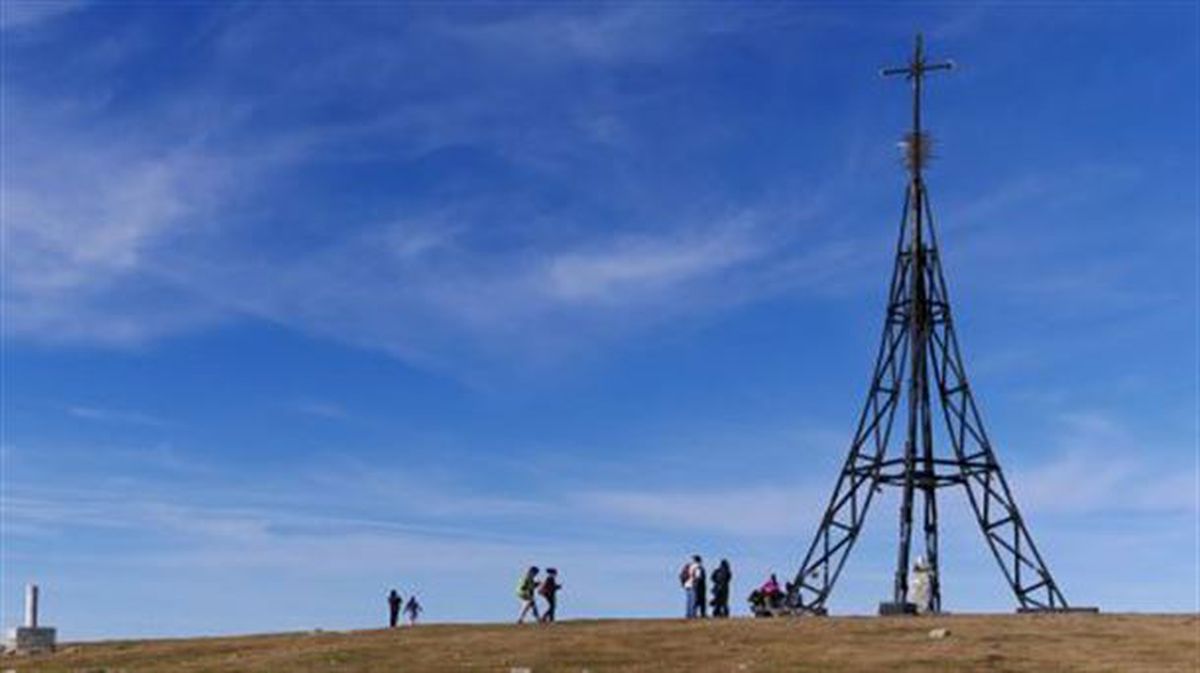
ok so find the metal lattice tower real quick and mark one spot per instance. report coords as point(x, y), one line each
point(919, 350)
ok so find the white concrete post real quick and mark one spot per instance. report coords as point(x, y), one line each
point(31, 605)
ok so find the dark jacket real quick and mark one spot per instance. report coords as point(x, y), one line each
point(721, 577)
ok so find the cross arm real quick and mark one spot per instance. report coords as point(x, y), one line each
point(910, 70)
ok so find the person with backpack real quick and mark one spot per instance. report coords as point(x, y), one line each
point(721, 578)
point(525, 588)
point(549, 590)
point(412, 609)
point(394, 601)
point(699, 587)
point(687, 580)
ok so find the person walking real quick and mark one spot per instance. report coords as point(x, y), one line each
point(394, 602)
point(549, 590)
point(525, 588)
point(412, 610)
point(721, 578)
point(700, 587)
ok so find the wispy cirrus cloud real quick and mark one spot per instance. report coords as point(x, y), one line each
point(226, 205)
point(637, 269)
point(119, 416)
point(1100, 465)
point(87, 218)
point(117, 238)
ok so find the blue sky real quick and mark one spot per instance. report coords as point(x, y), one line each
point(305, 301)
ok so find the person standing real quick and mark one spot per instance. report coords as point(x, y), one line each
point(412, 609)
point(525, 588)
point(394, 602)
point(700, 587)
point(549, 590)
point(687, 579)
point(721, 578)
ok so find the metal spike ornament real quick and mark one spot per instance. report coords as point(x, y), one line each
point(918, 150)
point(920, 351)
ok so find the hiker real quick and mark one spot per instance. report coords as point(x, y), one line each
point(412, 609)
point(687, 580)
point(721, 577)
point(394, 602)
point(549, 590)
point(700, 588)
point(525, 588)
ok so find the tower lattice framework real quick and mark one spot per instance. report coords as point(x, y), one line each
point(919, 352)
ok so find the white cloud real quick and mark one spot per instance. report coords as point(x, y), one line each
point(116, 416)
point(123, 226)
point(1098, 465)
point(640, 269)
point(1097, 482)
point(122, 240)
point(85, 221)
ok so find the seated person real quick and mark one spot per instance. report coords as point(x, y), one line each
point(772, 594)
point(758, 606)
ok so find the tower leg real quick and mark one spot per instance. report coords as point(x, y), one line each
point(987, 490)
point(931, 551)
point(900, 582)
point(859, 478)
point(929, 485)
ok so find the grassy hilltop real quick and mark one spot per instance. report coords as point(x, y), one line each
point(1117, 643)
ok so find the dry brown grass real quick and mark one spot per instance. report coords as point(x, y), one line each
point(1118, 643)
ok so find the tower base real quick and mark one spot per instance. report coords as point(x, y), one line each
point(1058, 610)
point(30, 640)
point(892, 608)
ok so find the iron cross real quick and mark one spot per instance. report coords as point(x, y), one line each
point(918, 144)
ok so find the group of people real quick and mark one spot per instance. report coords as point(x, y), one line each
point(767, 600)
point(412, 609)
point(694, 580)
point(529, 587)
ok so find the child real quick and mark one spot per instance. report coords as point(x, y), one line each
point(549, 591)
point(525, 589)
point(412, 609)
